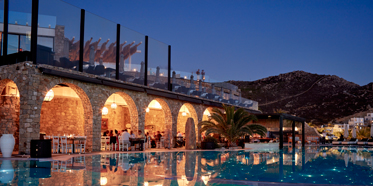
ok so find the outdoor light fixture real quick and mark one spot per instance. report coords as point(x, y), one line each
point(184, 110)
point(105, 111)
point(103, 181)
point(147, 109)
point(146, 183)
point(49, 96)
point(134, 69)
point(114, 105)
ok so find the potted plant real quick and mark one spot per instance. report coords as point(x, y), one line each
point(231, 124)
point(7, 140)
point(209, 143)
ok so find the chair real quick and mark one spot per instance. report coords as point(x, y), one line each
point(121, 144)
point(65, 147)
point(56, 144)
point(80, 146)
point(162, 142)
point(315, 139)
point(55, 166)
point(104, 143)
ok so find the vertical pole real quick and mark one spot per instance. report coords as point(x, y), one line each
point(5, 29)
point(34, 29)
point(293, 134)
point(169, 69)
point(281, 166)
point(146, 62)
point(303, 137)
point(293, 160)
point(281, 133)
point(117, 56)
point(81, 44)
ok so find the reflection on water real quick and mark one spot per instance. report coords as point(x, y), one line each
point(320, 165)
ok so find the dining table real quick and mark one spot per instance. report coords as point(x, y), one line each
point(139, 141)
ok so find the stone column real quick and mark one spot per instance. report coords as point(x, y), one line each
point(192, 85)
point(200, 85)
point(92, 56)
point(121, 63)
point(173, 80)
point(157, 75)
point(213, 89)
point(142, 70)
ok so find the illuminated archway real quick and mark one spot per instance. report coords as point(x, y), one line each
point(158, 118)
point(66, 110)
point(187, 111)
point(121, 113)
point(10, 109)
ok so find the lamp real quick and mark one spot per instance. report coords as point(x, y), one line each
point(49, 96)
point(114, 105)
point(103, 181)
point(105, 111)
point(147, 109)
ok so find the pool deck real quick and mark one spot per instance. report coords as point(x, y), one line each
point(64, 157)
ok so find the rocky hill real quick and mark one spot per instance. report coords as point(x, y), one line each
point(318, 98)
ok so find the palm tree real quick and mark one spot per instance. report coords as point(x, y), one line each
point(232, 124)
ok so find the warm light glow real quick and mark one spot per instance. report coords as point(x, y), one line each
point(296, 128)
point(147, 109)
point(134, 69)
point(155, 105)
point(161, 74)
point(185, 77)
point(105, 111)
point(103, 180)
point(184, 110)
point(146, 183)
point(114, 105)
point(205, 179)
point(207, 113)
point(49, 96)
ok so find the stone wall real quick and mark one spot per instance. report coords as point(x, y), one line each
point(156, 118)
point(9, 117)
point(34, 85)
point(61, 116)
point(117, 118)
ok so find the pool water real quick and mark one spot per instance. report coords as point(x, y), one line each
point(311, 165)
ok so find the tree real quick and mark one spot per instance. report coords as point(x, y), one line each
point(232, 124)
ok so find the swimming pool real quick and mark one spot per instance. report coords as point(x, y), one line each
point(312, 165)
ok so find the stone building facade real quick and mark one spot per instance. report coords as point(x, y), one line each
point(33, 112)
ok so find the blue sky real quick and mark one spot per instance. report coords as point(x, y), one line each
point(250, 40)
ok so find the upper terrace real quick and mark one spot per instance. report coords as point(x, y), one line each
point(69, 37)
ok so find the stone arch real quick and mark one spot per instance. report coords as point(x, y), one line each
point(205, 113)
point(87, 110)
point(10, 110)
point(167, 118)
point(132, 109)
point(181, 120)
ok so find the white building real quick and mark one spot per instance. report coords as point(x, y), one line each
point(369, 118)
point(339, 128)
point(358, 122)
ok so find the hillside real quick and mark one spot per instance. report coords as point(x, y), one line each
point(318, 98)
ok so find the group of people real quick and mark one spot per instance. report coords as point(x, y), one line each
point(124, 136)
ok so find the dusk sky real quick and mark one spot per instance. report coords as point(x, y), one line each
point(250, 40)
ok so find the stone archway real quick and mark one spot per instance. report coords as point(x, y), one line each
point(187, 111)
point(159, 120)
point(69, 112)
point(125, 113)
point(206, 113)
point(10, 109)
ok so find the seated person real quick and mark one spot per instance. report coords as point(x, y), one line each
point(132, 135)
point(126, 137)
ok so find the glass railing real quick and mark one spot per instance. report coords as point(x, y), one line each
point(1, 25)
point(20, 20)
point(58, 34)
point(131, 58)
point(58, 44)
point(157, 64)
point(99, 57)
